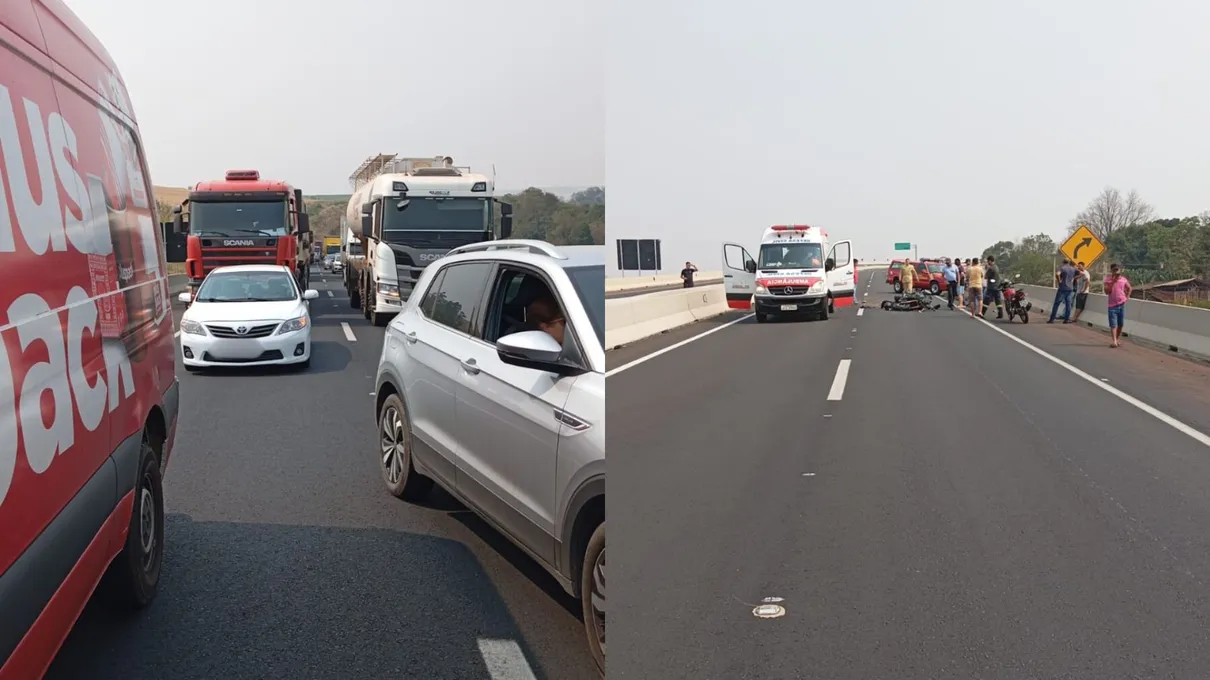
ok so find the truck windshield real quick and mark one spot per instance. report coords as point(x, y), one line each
point(238, 218)
point(434, 215)
point(790, 256)
point(331, 250)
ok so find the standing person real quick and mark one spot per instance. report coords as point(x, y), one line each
point(950, 271)
point(961, 281)
point(1117, 290)
point(907, 276)
point(1083, 284)
point(687, 274)
point(974, 278)
point(1064, 292)
point(991, 284)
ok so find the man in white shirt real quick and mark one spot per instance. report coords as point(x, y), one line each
point(1083, 283)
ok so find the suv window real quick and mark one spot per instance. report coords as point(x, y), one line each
point(589, 283)
point(430, 295)
point(512, 306)
point(458, 296)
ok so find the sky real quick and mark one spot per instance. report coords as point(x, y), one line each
point(305, 90)
point(951, 124)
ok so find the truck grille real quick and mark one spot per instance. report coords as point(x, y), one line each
point(259, 331)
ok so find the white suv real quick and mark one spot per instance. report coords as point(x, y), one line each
point(492, 383)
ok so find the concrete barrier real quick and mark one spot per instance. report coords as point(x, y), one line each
point(1174, 327)
point(658, 281)
point(631, 319)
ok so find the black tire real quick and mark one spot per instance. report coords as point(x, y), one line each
point(935, 288)
point(133, 578)
point(761, 317)
point(897, 286)
point(823, 311)
point(380, 320)
point(1024, 317)
point(398, 474)
point(305, 365)
point(592, 580)
point(354, 295)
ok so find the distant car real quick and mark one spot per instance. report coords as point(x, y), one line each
point(338, 265)
point(247, 315)
point(328, 260)
point(492, 383)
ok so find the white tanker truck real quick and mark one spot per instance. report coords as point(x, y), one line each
point(408, 212)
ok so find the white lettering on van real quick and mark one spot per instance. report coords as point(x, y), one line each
point(41, 223)
point(8, 418)
point(63, 141)
point(42, 442)
point(81, 317)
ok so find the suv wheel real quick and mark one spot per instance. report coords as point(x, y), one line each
point(395, 452)
point(592, 595)
point(935, 288)
point(133, 578)
point(897, 286)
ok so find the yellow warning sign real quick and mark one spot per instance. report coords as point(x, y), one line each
point(1083, 246)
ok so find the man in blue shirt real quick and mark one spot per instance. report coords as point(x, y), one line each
point(950, 271)
point(1064, 292)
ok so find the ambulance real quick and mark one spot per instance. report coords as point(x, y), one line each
point(797, 271)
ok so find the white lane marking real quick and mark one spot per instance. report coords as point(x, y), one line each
point(505, 660)
point(176, 334)
point(669, 348)
point(344, 326)
point(861, 311)
point(331, 294)
point(838, 383)
point(808, 474)
point(1141, 405)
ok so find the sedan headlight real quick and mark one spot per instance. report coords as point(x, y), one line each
point(191, 327)
point(388, 289)
point(294, 325)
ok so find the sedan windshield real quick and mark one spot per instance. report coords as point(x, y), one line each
point(248, 286)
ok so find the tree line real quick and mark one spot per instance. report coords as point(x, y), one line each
point(1150, 249)
point(537, 214)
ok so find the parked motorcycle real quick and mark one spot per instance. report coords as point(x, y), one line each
point(1015, 303)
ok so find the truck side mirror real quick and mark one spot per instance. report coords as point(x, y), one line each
point(178, 222)
point(829, 264)
point(304, 223)
point(506, 209)
point(506, 226)
point(367, 209)
point(367, 224)
point(750, 266)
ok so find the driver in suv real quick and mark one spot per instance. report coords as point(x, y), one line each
point(491, 383)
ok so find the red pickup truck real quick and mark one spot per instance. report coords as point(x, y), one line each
point(927, 275)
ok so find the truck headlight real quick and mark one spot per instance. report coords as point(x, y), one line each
point(389, 290)
point(294, 325)
point(818, 287)
point(191, 327)
point(761, 290)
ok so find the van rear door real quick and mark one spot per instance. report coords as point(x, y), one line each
point(739, 276)
point(842, 280)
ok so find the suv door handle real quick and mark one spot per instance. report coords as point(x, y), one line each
point(410, 337)
point(470, 366)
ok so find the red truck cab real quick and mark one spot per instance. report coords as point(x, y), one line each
point(243, 219)
point(88, 390)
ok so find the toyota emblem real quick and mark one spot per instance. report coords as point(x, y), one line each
point(242, 330)
point(789, 290)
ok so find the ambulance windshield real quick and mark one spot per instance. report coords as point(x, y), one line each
point(791, 256)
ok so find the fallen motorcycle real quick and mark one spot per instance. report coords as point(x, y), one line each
point(918, 301)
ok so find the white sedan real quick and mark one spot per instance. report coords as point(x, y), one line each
point(247, 315)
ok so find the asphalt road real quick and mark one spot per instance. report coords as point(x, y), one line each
point(961, 508)
point(287, 558)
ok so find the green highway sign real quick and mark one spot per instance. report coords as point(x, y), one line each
point(903, 246)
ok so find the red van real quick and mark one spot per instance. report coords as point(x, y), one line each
point(88, 388)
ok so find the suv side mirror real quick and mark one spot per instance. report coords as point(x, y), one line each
point(829, 264)
point(750, 266)
point(533, 349)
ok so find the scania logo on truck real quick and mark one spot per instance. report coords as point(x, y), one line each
point(238, 242)
point(429, 257)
